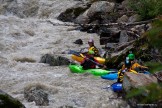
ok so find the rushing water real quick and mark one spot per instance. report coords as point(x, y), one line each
point(34, 37)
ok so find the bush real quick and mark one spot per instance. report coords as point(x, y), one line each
point(147, 94)
point(147, 9)
point(155, 34)
point(154, 66)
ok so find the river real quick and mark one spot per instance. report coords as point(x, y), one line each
point(33, 37)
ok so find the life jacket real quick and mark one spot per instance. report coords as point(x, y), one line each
point(121, 74)
point(96, 51)
point(125, 68)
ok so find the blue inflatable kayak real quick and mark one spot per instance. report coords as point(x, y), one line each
point(116, 87)
point(110, 76)
point(114, 76)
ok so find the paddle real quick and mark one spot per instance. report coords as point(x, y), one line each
point(81, 55)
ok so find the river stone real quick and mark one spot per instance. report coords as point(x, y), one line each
point(132, 80)
point(54, 60)
point(6, 101)
point(79, 42)
point(36, 94)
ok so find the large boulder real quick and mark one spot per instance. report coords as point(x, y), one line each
point(72, 13)
point(95, 12)
point(132, 80)
point(54, 60)
point(6, 101)
point(101, 7)
point(36, 94)
point(83, 18)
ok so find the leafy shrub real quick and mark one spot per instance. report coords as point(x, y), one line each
point(147, 9)
point(146, 94)
point(154, 66)
point(155, 34)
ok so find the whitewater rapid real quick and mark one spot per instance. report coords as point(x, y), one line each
point(34, 37)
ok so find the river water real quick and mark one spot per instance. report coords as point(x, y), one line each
point(32, 38)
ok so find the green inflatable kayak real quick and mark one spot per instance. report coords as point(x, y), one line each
point(79, 69)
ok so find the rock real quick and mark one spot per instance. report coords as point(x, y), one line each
point(123, 36)
point(79, 41)
point(95, 12)
point(137, 80)
point(111, 46)
point(72, 13)
point(109, 35)
point(125, 5)
point(36, 94)
point(158, 75)
point(122, 19)
point(82, 19)
point(133, 18)
point(54, 60)
point(100, 7)
point(6, 101)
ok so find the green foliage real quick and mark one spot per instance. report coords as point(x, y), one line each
point(154, 66)
point(148, 94)
point(155, 34)
point(147, 9)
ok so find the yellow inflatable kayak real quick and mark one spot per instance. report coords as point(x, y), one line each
point(80, 59)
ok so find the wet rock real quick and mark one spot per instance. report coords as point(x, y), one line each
point(6, 101)
point(79, 41)
point(132, 80)
point(72, 13)
point(36, 94)
point(54, 60)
